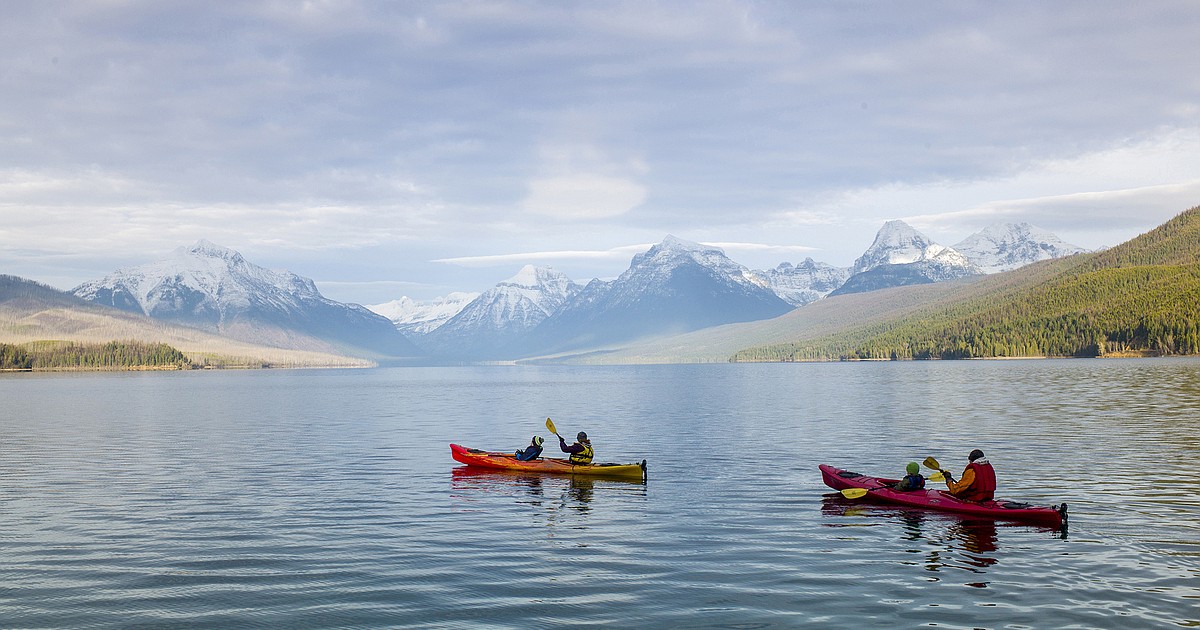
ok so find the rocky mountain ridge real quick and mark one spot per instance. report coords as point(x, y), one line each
point(214, 288)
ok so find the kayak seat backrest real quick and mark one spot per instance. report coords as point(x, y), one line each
point(1016, 505)
point(848, 474)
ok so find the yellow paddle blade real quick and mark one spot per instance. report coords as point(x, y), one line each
point(854, 493)
point(937, 476)
point(550, 425)
point(932, 463)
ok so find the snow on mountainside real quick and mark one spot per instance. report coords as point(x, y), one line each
point(897, 243)
point(1007, 246)
point(804, 283)
point(496, 317)
point(413, 317)
point(675, 286)
point(205, 281)
point(654, 266)
point(211, 287)
point(901, 256)
point(519, 303)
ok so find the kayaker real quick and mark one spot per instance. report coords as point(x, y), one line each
point(978, 482)
point(581, 451)
point(533, 451)
point(913, 480)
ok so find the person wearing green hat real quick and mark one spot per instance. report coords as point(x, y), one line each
point(913, 480)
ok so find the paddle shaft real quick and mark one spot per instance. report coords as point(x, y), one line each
point(855, 493)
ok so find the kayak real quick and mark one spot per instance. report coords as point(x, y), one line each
point(880, 489)
point(508, 461)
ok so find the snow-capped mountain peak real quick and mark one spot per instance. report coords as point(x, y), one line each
point(215, 288)
point(537, 279)
point(208, 249)
point(412, 316)
point(220, 275)
point(506, 311)
point(1006, 246)
point(672, 252)
point(898, 243)
point(804, 283)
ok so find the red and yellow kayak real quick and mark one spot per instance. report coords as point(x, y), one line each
point(509, 461)
point(880, 489)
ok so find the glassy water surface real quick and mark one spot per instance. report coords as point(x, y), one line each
point(327, 498)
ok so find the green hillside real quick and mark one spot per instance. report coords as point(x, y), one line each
point(1139, 298)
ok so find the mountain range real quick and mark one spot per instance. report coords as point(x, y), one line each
point(679, 286)
point(675, 287)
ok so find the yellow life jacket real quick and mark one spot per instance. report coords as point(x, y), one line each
point(583, 457)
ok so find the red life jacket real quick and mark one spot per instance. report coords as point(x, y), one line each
point(984, 486)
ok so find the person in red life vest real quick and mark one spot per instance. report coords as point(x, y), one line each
point(581, 451)
point(978, 481)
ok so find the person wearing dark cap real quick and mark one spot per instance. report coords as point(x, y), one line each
point(978, 481)
point(581, 451)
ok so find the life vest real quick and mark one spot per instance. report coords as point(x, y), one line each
point(583, 457)
point(984, 486)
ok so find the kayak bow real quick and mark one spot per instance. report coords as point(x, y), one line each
point(509, 461)
point(879, 489)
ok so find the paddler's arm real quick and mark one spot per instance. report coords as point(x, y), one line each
point(968, 478)
point(574, 448)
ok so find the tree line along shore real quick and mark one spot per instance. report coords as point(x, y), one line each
point(125, 355)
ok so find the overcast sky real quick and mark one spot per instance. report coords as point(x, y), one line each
point(417, 148)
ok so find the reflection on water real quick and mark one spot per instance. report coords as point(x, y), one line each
point(555, 492)
point(947, 541)
point(328, 499)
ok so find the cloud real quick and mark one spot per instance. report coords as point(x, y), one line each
point(617, 253)
point(583, 197)
point(432, 130)
point(1095, 197)
point(732, 249)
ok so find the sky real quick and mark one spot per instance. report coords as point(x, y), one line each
point(389, 149)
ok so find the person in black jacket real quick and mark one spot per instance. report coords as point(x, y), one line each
point(533, 451)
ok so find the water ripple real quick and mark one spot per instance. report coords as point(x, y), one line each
point(328, 498)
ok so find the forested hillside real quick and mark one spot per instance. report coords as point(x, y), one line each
point(1141, 297)
point(114, 355)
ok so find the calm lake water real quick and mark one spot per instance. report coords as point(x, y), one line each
point(328, 498)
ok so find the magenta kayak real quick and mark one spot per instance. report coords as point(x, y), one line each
point(880, 489)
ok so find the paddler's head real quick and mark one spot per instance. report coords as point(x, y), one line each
point(975, 454)
point(537, 439)
point(582, 437)
point(912, 468)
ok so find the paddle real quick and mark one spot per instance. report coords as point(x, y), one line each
point(550, 425)
point(933, 463)
point(858, 493)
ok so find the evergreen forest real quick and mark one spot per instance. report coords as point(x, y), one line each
point(114, 355)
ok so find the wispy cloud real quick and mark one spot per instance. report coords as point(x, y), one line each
point(617, 253)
